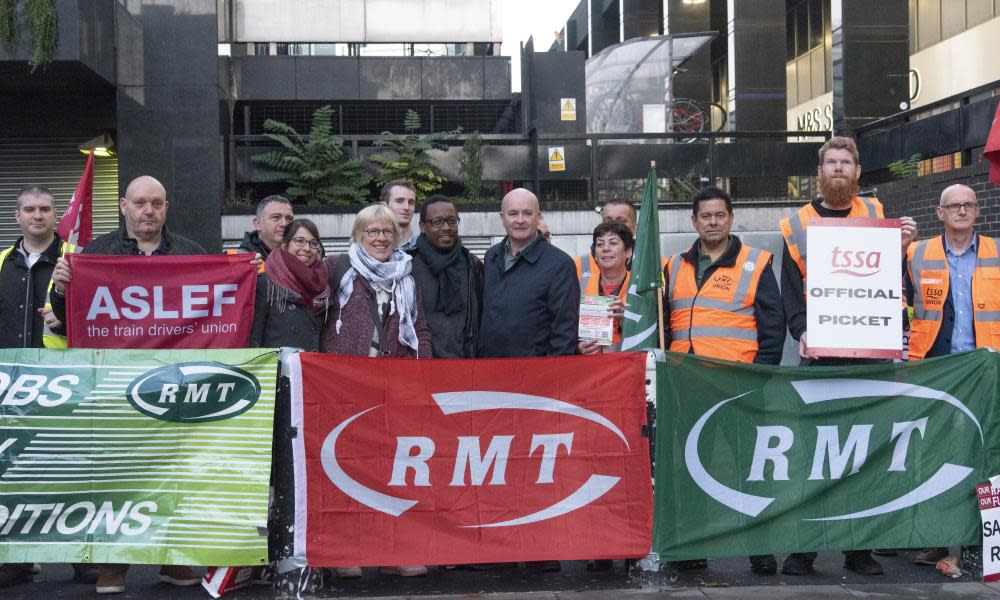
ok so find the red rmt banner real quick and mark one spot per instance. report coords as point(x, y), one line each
point(470, 461)
point(158, 302)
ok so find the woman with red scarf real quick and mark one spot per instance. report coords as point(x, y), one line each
point(293, 292)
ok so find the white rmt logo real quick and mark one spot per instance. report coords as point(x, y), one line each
point(470, 460)
point(828, 451)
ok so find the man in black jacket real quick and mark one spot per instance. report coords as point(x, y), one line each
point(143, 234)
point(531, 295)
point(274, 213)
point(450, 279)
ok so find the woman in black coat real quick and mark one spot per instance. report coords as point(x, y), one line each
point(293, 293)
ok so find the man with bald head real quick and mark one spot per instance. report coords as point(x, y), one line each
point(531, 294)
point(144, 233)
point(951, 283)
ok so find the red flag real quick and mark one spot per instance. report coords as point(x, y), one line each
point(77, 225)
point(992, 150)
point(406, 462)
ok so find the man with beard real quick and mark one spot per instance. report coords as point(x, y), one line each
point(838, 173)
point(450, 279)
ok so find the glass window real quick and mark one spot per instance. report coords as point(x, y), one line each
point(791, 85)
point(913, 26)
point(952, 18)
point(818, 67)
point(977, 11)
point(790, 35)
point(801, 29)
point(803, 74)
point(928, 22)
point(815, 23)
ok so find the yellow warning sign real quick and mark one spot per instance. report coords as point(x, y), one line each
point(567, 109)
point(557, 160)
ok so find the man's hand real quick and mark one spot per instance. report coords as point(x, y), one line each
point(803, 346)
point(49, 318)
point(257, 260)
point(908, 231)
point(61, 276)
point(588, 347)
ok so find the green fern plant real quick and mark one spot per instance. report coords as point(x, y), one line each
point(316, 168)
point(471, 167)
point(410, 159)
point(905, 167)
point(8, 25)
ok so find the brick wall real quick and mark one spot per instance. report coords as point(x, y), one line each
point(918, 196)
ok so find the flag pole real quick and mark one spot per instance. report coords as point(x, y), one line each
point(659, 295)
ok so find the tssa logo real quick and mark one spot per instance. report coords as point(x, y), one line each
point(831, 459)
point(414, 455)
point(857, 263)
point(194, 392)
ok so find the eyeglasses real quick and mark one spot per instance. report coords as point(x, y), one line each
point(374, 233)
point(954, 208)
point(302, 242)
point(441, 222)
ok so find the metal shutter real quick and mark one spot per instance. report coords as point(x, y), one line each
point(57, 164)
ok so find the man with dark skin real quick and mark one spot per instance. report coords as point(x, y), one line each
point(450, 278)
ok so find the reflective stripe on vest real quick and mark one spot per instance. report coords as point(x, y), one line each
point(585, 265)
point(793, 228)
point(718, 320)
point(49, 339)
point(928, 267)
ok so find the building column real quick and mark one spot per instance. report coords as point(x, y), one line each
point(871, 61)
point(168, 110)
point(687, 17)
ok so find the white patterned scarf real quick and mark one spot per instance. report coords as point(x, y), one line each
point(392, 276)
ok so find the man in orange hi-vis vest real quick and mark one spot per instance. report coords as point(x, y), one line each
point(951, 283)
point(838, 172)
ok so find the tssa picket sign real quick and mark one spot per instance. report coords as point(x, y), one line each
point(989, 509)
point(442, 462)
point(854, 288)
point(160, 301)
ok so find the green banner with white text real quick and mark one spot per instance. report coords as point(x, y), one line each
point(135, 456)
point(754, 459)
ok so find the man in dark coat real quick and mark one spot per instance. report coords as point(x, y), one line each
point(450, 278)
point(144, 234)
point(531, 295)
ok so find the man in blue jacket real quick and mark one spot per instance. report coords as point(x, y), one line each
point(531, 293)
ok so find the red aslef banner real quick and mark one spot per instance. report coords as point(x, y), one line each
point(469, 461)
point(158, 302)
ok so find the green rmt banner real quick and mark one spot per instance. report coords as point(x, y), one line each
point(756, 459)
point(139, 456)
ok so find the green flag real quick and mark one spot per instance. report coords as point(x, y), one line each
point(754, 459)
point(639, 331)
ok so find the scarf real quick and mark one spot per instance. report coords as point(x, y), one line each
point(392, 276)
point(290, 280)
point(443, 265)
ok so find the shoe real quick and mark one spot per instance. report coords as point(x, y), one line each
point(347, 572)
point(689, 565)
point(485, 566)
point(179, 575)
point(15, 574)
point(84, 573)
point(885, 552)
point(600, 565)
point(415, 571)
point(36, 568)
point(763, 564)
point(111, 580)
point(262, 575)
point(861, 562)
point(796, 564)
point(930, 556)
point(545, 566)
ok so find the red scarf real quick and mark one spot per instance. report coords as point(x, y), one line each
point(308, 286)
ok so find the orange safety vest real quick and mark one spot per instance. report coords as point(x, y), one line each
point(928, 267)
point(260, 267)
point(586, 264)
point(793, 228)
point(718, 320)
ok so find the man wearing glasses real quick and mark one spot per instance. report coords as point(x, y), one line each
point(450, 278)
point(951, 284)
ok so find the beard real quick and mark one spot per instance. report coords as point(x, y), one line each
point(836, 191)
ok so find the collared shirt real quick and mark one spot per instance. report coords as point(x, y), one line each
point(510, 259)
point(30, 258)
point(705, 261)
point(961, 268)
point(409, 245)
